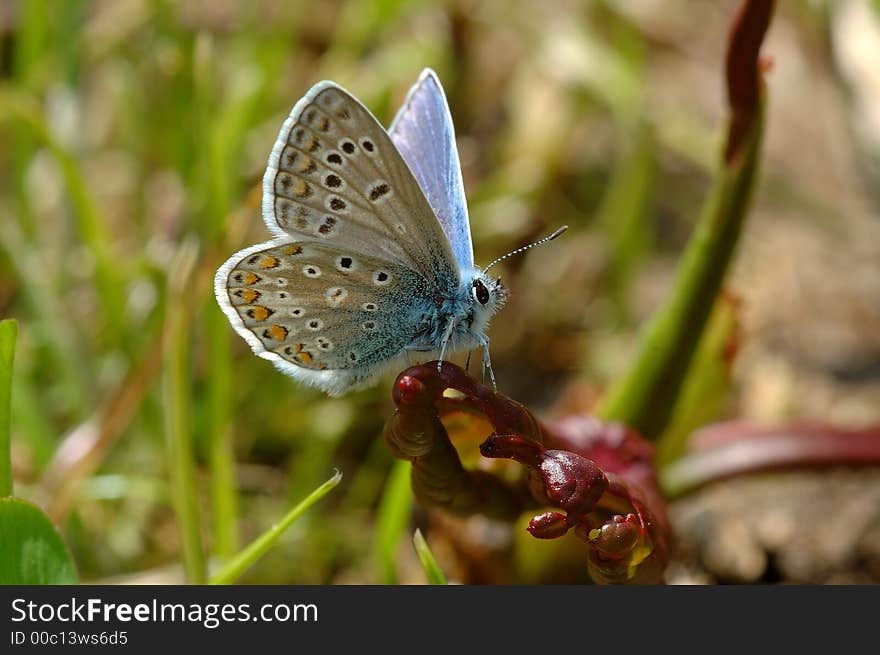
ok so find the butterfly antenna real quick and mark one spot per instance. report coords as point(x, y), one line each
point(539, 242)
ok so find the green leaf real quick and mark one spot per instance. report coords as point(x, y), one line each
point(394, 511)
point(432, 570)
point(261, 545)
point(32, 551)
point(707, 384)
point(8, 333)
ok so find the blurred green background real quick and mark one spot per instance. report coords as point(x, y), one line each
point(134, 135)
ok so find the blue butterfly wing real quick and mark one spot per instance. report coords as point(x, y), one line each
point(424, 135)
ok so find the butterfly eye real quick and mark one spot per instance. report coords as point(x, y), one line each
point(480, 292)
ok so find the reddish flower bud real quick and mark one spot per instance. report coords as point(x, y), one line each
point(408, 390)
point(618, 537)
point(548, 525)
point(572, 482)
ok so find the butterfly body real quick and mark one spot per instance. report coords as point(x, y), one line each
point(371, 264)
point(456, 316)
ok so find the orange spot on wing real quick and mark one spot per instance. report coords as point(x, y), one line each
point(268, 262)
point(305, 357)
point(293, 250)
point(248, 295)
point(277, 332)
point(245, 277)
point(259, 313)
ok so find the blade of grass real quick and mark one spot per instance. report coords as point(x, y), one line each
point(432, 570)
point(393, 516)
point(33, 422)
point(176, 392)
point(234, 569)
point(8, 334)
point(224, 488)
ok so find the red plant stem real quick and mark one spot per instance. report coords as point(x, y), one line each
point(744, 70)
point(415, 433)
point(735, 449)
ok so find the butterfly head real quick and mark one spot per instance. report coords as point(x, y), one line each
point(487, 296)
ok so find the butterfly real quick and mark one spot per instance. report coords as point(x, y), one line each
point(371, 261)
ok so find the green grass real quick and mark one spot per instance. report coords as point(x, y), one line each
point(8, 334)
point(176, 394)
point(433, 572)
point(392, 520)
point(238, 564)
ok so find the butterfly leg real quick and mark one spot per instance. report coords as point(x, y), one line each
point(467, 364)
point(447, 335)
point(487, 361)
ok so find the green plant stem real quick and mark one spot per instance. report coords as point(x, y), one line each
point(8, 334)
point(224, 489)
point(393, 516)
point(234, 569)
point(176, 392)
point(705, 390)
point(645, 397)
